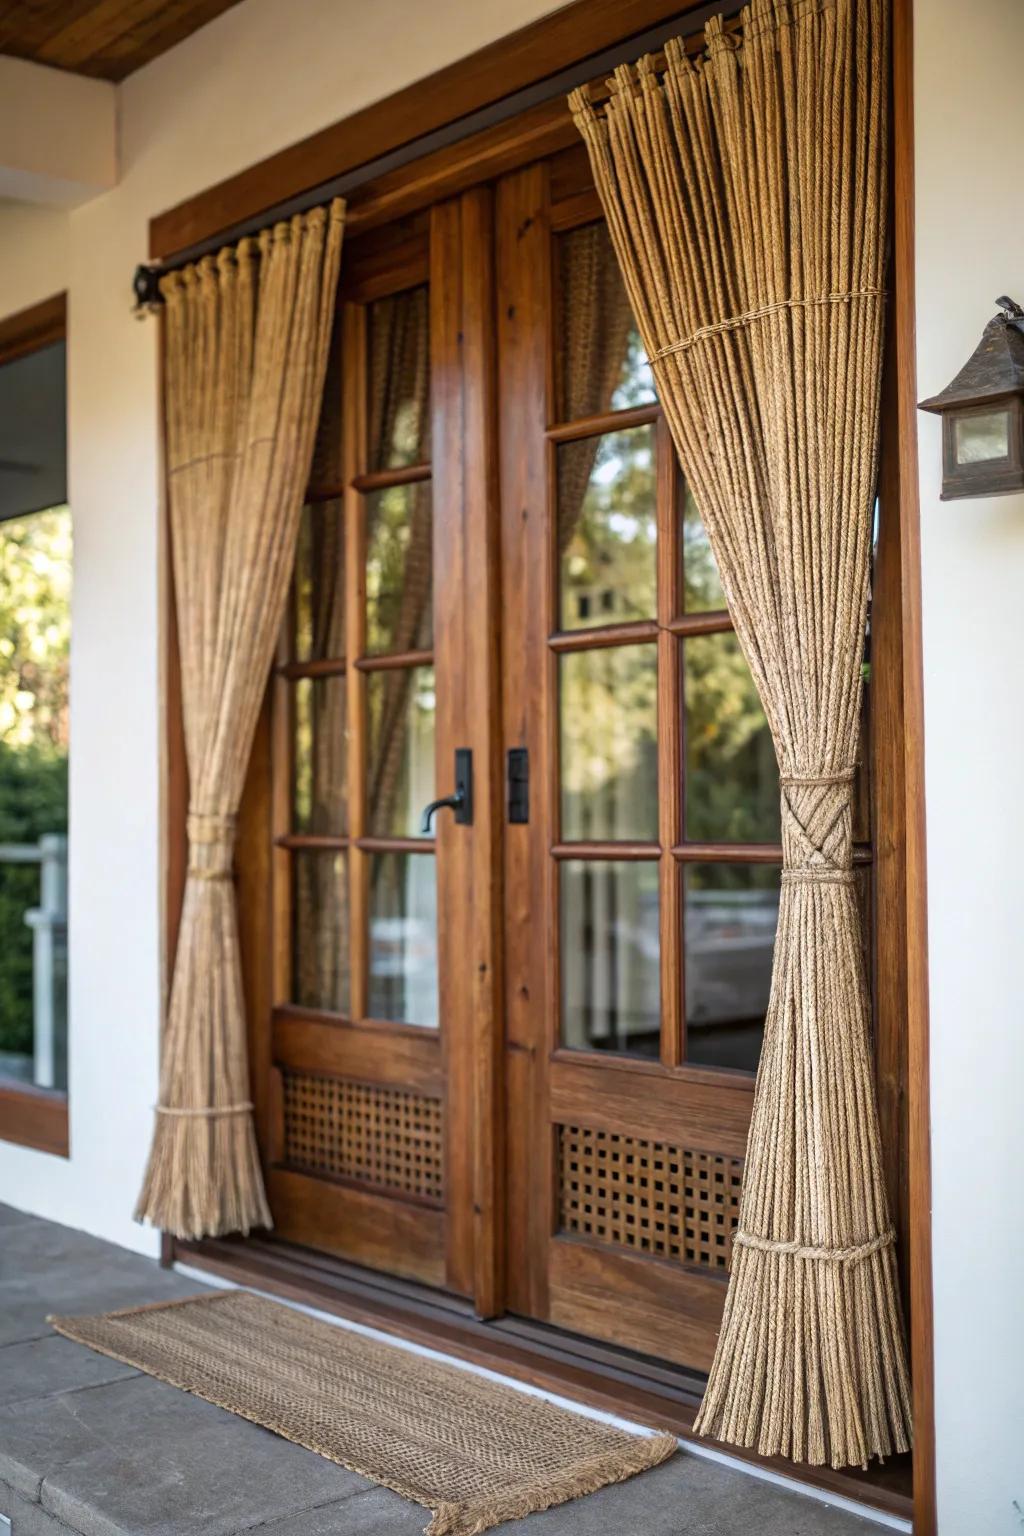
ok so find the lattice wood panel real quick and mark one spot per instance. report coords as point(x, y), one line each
point(388, 1137)
point(669, 1201)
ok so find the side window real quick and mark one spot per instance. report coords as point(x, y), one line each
point(35, 629)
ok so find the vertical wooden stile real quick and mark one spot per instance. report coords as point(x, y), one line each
point(670, 778)
point(524, 306)
point(354, 449)
point(466, 652)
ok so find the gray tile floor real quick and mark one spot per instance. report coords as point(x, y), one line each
point(94, 1447)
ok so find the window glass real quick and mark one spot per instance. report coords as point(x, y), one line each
point(602, 365)
point(399, 382)
point(318, 716)
point(611, 998)
point(401, 707)
point(399, 568)
point(730, 913)
point(33, 432)
point(35, 629)
point(403, 939)
point(319, 590)
point(702, 586)
point(980, 438)
point(607, 529)
point(732, 777)
point(326, 469)
point(320, 974)
point(608, 702)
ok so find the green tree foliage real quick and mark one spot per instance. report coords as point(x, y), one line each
point(732, 784)
point(608, 698)
point(35, 583)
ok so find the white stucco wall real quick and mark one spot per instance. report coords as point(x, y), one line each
point(262, 76)
point(969, 109)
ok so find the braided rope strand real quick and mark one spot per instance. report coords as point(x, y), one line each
point(737, 322)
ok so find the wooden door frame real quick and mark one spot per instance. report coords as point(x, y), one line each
point(903, 367)
point(466, 646)
point(434, 107)
point(30, 1116)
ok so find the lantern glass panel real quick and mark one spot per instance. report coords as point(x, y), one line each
point(979, 439)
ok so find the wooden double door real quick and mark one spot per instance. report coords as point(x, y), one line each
point(510, 1056)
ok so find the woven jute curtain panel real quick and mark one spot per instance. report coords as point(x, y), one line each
point(745, 194)
point(246, 340)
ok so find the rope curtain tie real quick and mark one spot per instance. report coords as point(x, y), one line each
point(211, 845)
point(817, 875)
point(206, 1112)
point(817, 827)
point(797, 1250)
point(815, 780)
point(736, 322)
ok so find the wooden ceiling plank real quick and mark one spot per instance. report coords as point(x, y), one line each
point(105, 39)
point(88, 37)
point(162, 30)
point(24, 28)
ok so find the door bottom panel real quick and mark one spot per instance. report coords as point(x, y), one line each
point(376, 1230)
point(672, 1314)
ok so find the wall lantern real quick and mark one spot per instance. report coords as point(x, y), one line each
point(982, 413)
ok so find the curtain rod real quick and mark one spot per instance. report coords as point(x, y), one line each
point(146, 279)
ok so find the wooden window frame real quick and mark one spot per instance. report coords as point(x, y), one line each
point(434, 111)
point(30, 1116)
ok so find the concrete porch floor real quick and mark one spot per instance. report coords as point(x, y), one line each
point(94, 1447)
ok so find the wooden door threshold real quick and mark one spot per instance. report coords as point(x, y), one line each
point(599, 1375)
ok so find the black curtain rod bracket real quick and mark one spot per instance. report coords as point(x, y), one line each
point(146, 288)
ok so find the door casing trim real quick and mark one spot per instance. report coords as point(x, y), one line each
point(531, 55)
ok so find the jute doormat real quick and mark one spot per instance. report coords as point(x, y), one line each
point(473, 1451)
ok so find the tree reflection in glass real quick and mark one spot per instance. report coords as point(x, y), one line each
point(702, 586)
point(401, 706)
point(399, 569)
point(607, 531)
point(732, 778)
point(35, 630)
point(319, 797)
point(608, 707)
point(318, 590)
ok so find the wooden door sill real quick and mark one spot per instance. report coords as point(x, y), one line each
point(598, 1375)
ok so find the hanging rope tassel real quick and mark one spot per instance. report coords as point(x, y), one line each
point(204, 1171)
point(810, 1361)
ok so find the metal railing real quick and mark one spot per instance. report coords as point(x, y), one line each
point(49, 924)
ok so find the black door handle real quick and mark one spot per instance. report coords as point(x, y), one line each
point(456, 802)
point(461, 801)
